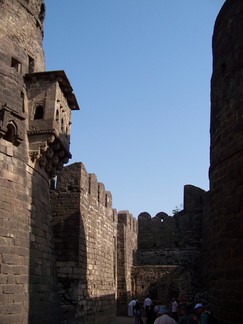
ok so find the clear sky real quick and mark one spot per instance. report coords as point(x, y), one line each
point(140, 70)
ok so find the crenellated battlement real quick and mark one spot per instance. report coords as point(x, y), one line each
point(126, 218)
point(76, 178)
point(182, 231)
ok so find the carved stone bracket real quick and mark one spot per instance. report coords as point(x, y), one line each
point(50, 149)
point(11, 122)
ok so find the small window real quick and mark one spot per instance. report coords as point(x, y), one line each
point(53, 183)
point(16, 65)
point(22, 101)
point(62, 126)
point(39, 112)
point(31, 65)
point(57, 115)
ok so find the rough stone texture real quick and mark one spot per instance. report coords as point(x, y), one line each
point(225, 244)
point(20, 41)
point(15, 205)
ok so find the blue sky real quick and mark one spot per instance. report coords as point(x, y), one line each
point(140, 70)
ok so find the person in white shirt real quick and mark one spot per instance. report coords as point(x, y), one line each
point(131, 307)
point(164, 317)
point(174, 307)
point(147, 304)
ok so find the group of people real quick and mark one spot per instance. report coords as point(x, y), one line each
point(177, 313)
point(197, 315)
point(149, 310)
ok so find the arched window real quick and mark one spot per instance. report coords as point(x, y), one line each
point(10, 135)
point(39, 112)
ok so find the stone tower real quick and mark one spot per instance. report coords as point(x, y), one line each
point(35, 120)
point(226, 165)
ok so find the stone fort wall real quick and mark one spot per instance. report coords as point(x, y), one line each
point(93, 246)
point(104, 258)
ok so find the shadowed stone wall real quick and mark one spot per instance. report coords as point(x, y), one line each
point(126, 257)
point(225, 239)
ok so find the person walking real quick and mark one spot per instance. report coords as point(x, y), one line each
point(174, 306)
point(131, 307)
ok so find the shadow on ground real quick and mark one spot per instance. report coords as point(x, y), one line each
point(124, 320)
